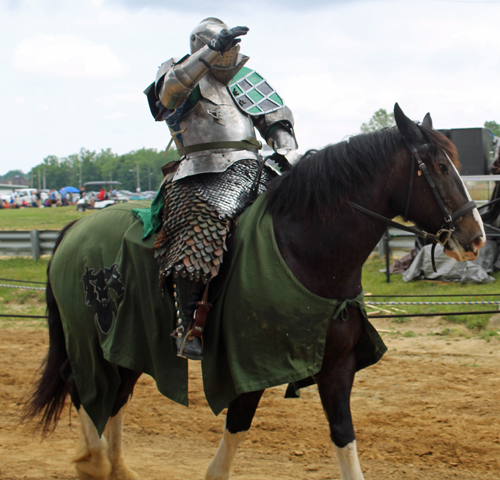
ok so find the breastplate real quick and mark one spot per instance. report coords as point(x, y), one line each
point(215, 118)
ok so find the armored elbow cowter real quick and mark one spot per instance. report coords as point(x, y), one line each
point(176, 80)
point(277, 129)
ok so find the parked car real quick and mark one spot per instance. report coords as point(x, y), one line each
point(27, 194)
point(90, 200)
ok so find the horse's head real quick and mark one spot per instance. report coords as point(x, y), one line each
point(438, 200)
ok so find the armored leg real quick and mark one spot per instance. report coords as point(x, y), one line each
point(188, 295)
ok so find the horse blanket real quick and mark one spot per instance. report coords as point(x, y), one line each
point(265, 328)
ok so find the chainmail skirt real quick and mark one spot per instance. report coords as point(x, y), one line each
point(197, 217)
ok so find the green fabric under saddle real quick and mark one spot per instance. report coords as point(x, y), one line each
point(265, 329)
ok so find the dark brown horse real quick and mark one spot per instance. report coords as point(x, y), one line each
point(324, 237)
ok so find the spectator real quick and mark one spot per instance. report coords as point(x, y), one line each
point(64, 198)
point(82, 192)
point(102, 194)
point(52, 198)
point(38, 197)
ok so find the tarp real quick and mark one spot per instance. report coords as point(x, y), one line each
point(449, 270)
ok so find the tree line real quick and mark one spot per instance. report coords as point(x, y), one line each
point(142, 165)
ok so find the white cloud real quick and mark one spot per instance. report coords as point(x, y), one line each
point(67, 56)
point(114, 116)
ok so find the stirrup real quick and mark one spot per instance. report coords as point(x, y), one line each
point(191, 349)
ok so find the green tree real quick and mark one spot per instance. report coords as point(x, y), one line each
point(149, 162)
point(380, 119)
point(105, 165)
point(493, 126)
point(11, 174)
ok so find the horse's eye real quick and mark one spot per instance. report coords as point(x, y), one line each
point(443, 169)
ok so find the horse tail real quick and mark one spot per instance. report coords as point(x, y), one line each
point(49, 396)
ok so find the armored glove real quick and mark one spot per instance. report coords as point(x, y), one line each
point(227, 39)
point(281, 161)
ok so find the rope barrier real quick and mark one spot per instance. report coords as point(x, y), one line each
point(20, 281)
point(373, 304)
point(21, 287)
point(433, 303)
point(369, 295)
point(443, 314)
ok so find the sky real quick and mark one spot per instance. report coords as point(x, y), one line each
point(74, 72)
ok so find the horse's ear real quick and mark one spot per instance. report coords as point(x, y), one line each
point(410, 131)
point(427, 121)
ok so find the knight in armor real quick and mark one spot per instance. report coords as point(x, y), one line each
point(212, 105)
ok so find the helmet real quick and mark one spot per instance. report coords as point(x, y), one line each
point(205, 32)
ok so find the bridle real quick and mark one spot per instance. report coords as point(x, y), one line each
point(448, 227)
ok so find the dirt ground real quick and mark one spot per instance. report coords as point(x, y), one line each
point(429, 410)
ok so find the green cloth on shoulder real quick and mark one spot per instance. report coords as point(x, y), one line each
point(267, 329)
point(150, 217)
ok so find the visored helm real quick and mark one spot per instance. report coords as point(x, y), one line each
point(205, 32)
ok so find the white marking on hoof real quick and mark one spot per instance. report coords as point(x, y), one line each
point(91, 460)
point(114, 434)
point(220, 466)
point(349, 466)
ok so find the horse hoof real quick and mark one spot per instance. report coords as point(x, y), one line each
point(93, 465)
point(124, 473)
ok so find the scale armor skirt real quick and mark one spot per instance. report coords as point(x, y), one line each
point(197, 217)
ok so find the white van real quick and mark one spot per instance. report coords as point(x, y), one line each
point(28, 194)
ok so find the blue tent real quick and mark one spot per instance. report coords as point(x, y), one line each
point(69, 190)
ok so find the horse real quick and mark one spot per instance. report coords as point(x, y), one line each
point(327, 215)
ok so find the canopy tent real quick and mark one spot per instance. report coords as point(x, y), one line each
point(69, 190)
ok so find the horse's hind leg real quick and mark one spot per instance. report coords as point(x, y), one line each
point(238, 421)
point(114, 428)
point(91, 460)
point(113, 433)
point(102, 458)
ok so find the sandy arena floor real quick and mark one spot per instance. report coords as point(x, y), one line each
point(429, 410)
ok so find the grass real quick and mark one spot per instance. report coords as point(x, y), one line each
point(20, 301)
point(375, 282)
point(479, 190)
point(39, 218)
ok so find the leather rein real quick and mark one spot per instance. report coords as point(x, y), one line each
point(444, 234)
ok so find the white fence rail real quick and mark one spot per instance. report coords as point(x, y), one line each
point(28, 243)
point(33, 243)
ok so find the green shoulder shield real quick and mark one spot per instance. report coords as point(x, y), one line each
point(253, 94)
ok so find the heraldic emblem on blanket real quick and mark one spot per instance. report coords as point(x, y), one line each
point(97, 294)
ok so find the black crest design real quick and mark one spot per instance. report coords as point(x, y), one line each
point(97, 294)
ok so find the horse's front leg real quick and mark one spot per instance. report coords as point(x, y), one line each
point(239, 418)
point(334, 385)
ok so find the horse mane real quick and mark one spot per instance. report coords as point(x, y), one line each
point(325, 179)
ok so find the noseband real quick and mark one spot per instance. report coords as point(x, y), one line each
point(448, 227)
